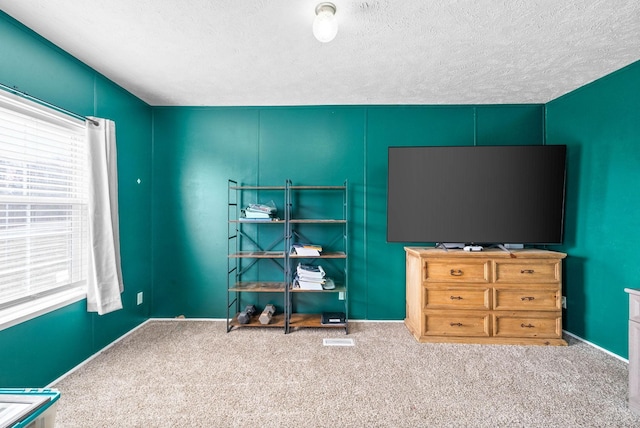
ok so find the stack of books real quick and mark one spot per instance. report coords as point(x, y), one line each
point(309, 277)
point(260, 212)
point(307, 250)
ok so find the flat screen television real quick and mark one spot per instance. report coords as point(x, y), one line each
point(476, 194)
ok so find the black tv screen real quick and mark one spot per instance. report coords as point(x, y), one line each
point(476, 194)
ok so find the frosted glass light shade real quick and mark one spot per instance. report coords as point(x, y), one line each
point(325, 26)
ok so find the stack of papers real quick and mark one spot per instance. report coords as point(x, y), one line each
point(260, 212)
point(309, 277)
point(307, 271)
point(309, 250)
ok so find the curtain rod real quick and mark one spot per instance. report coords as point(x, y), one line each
point(46, 104)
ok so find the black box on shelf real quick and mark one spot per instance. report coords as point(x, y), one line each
point(333, 318)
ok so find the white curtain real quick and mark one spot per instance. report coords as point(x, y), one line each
point(104, 279)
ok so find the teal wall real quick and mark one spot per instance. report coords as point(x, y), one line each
point(196, 150)
point(36, 352)
point(174, 232)
point(384, 289)
point(600, 124)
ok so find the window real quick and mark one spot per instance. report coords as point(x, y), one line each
point(43, 210)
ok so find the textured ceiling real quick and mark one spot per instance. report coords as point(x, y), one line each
point(262, 52)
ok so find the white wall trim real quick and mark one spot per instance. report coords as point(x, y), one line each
point(596, 346)
point(52, 384)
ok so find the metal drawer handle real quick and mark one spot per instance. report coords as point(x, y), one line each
point(456, 272)
point(529, 298)
point(456, 297)
point(529, 271)
point(455, 324)
point(527, 325)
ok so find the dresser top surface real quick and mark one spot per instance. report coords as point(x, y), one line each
point(635, 291)
point(493, 253)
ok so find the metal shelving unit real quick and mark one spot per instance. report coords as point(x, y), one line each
point(334, 239)
point(245, 254)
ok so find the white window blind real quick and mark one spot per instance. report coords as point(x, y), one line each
point(43, 203)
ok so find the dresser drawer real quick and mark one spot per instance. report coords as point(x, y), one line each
point(527, 271)
point(456, 271)
point(527, 325)
point(457, 324)
point(477, 297)
point(537, 298)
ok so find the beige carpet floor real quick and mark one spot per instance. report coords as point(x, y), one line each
point(194, 374)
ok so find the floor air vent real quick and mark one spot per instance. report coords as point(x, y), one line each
point(338, 342)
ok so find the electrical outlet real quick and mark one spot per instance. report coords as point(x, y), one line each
point(341, 295)
point(564, 302)
point(139, 298)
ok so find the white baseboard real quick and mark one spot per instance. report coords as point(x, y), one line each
point(596, 346)
point(51, 385)
point(96, 354)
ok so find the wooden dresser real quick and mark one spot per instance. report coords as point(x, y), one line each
point(634, 349)
point(488, 296)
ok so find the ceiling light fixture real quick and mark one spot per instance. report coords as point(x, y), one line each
point(325, 26)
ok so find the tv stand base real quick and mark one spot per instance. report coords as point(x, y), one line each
point(450, 245)
point(473, 248)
